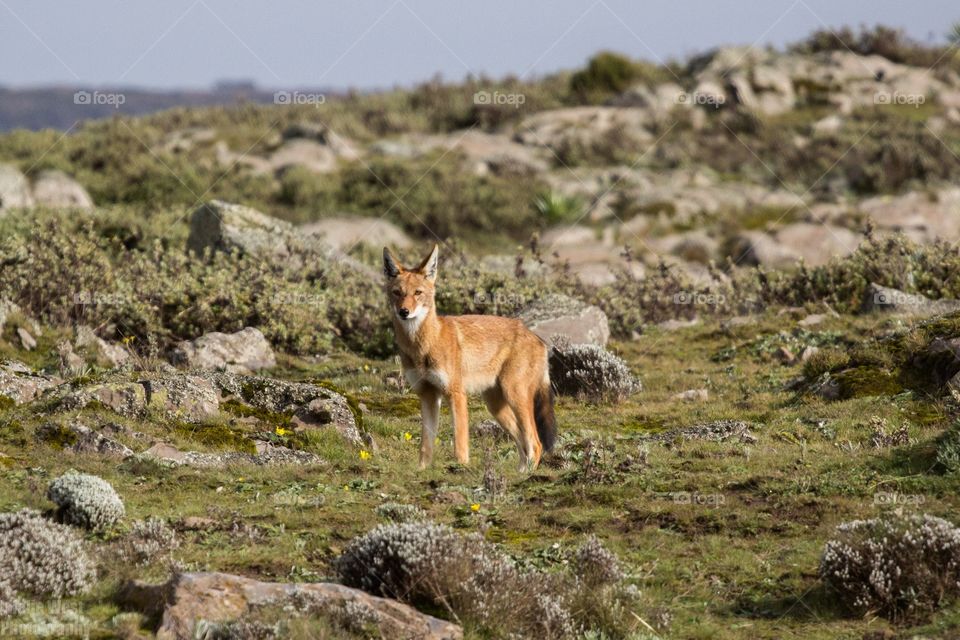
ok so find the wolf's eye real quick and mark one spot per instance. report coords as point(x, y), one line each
point(418, 292)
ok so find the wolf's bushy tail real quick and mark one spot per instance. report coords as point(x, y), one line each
point(543, 415)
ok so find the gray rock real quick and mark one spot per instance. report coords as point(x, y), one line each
point(693, 395)
point(183, 397)
point(113, 354)
point(56, 189)
point(222, 226)
point(888, 300)
point(127, 399)
point(344, 233)
point(309, 405)
point(21, 385)
point(189, 598)
point(27, 341)
point(557, 315)
point(241, 352)
point(267, 454)
point(14, 189)
point(90, 441)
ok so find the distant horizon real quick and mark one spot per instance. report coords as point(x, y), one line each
point(193, 45)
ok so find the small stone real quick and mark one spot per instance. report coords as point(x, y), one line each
point(27, 341)
point(693, 395)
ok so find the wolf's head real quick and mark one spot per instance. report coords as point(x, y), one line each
point(411, 290)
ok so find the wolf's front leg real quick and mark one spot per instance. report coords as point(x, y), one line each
point(430, 413)
point(461, 426)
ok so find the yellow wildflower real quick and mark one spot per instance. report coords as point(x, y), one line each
point(407, 435)
point(474, 507)
point(282, 432)
point(364, 454)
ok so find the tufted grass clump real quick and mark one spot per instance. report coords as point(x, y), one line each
point(149, 541)
point(591, 372)
point(901, 567)
point(399, 512)
point(86, 501)
point(430, 566)
point(41, 558)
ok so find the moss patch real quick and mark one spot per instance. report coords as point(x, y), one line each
point(862, 382)
point(216, 436)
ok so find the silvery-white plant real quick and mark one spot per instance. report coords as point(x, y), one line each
point(40, 557)
point(86, 501)
point(149, 541)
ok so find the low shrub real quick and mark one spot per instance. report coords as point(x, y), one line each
point(398, 512)
point(42, 558)
point(86, 501)
point(897, 566)
point(590, 372)
point(149, 541)
point(431, 566)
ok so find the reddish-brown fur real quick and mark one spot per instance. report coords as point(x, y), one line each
point(452, 356)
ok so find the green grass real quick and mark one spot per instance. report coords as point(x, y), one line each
point(723, 539)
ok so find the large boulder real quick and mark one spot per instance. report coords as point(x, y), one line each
point(20, 384)
point(183, 397)
point(344, 233)
point(53, 188)
point(191, 598)
point(127, 399)
point(817, 243)
point(14, 189)
point(222, 226)
point(111, 354)
point(557, 315)
point(241, 352)
point(573, 127)
point(921, 216)
point(309, 406)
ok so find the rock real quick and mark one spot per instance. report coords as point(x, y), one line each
point(113, 354)
point(183, 397)
point(56, 189)
point(785, 356)
point(812, 320)
point(89, 441)
point(581, 127)
point(188, 598)
point(920, 215)
point(693, 395)
point(241, 352)
point(719, 431)
point(692, 246)
point(808, 352)
point(21, 385)
point(314, 156)
point(14, 189)
point(127, 399)
point(344, 233)
point(309, 405)
point(69, 361)
point(755, 248)
point(817, 243)
point(341, 146)
point(675, 324)
point(221, 226)
point(889, 300)
point(558, 315)
point(266, 454)
point(27, 341)
point(490, 429)
point(827, 126)
point(198, 523)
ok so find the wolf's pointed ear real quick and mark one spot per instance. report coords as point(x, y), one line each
point(391, 268)
point(429, 266)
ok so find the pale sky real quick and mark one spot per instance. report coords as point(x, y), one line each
point(381, 43)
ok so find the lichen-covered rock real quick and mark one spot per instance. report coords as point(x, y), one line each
point(222, 226)
point(183, 397)
point(111, 354)
point(265, 454)
point(41, 557)
point(86, 501)
point(125, 398)
point(557, 315)
point(308, 405)
point(191, 598)
point(21, 385)
point(241, 352)
point(79, 438)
